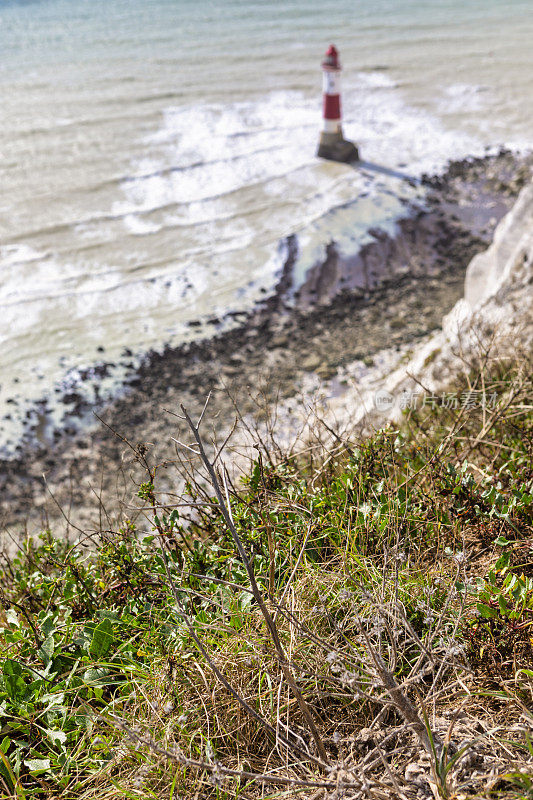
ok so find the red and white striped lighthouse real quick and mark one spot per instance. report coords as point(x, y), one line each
point(333, 145)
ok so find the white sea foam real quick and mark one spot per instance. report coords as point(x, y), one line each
point(463, 98)
point(218, 187)
point(267, 148)
point(395, 134)
point(218, 150)
point(14, 254)
point(138, 226)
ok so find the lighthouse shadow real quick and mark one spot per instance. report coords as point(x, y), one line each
point(369, 166)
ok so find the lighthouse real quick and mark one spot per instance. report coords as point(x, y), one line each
point(332, 144)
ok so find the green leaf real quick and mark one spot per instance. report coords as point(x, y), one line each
point(503, 562)
point(95, 676)
point(54, 700)
point(502, 541)
point(13, 680)
point(519, 591)
point(11, 616)
point(236, 621)
point(46, 651)
point(102, 639)
point(57, 737)
point(486, 611)
point(502, 604)
point(83, 721)
point(36, 765)
point(48, 624)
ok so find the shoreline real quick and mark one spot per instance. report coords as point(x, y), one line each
point(332, 319)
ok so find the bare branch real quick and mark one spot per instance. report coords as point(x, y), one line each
point(226, 513)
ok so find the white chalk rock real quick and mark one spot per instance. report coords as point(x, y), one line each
point(511, 248)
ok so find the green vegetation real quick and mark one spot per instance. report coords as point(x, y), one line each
point(353, 622)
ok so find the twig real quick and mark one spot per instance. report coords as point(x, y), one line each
point(220, 675)
point(226, 513)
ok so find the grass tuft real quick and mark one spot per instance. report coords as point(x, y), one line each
point(355, 623)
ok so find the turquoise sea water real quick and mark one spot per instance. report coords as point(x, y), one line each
point(154, 154)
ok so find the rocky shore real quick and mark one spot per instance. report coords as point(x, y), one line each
point(393, 292)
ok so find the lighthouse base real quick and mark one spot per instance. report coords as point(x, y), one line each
point(333, 147)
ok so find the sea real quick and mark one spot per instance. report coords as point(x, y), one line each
point(155, 155)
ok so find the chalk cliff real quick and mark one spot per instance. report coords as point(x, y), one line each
point(494, 316)
point(507, 262)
